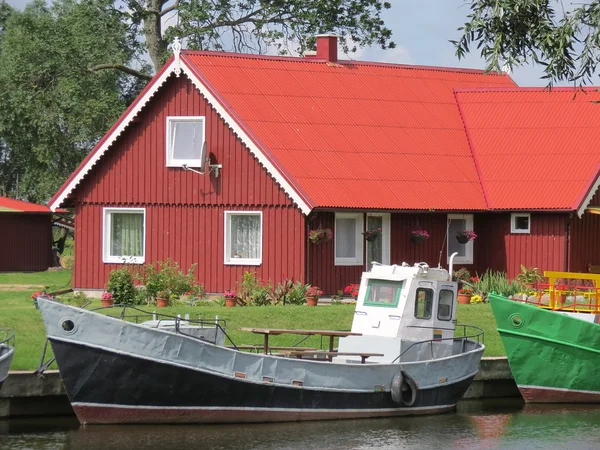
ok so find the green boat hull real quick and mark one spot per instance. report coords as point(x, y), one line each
point(554, 356)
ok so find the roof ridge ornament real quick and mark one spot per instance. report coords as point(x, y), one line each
point(176, 46)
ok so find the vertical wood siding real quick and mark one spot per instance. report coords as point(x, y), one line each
point(26, 242)
point(585, 242)
point(184, 210)
point(495, 247)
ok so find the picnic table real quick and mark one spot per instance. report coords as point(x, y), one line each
point(266, 332)
point(330, 355)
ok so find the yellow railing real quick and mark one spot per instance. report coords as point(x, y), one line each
point(558, 292)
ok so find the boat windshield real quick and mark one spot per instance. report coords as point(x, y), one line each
point(383, 293)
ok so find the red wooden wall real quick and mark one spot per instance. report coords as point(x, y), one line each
point(26, 242)
point(184, 210)
point(584, 247)
point(495, 247)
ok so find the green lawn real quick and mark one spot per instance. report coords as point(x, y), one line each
point(50, 280)
point(18, 313)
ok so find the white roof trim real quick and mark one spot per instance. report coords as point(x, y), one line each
point(241, 134)
point(82, 172)
point(588, 198)
point(237, 129)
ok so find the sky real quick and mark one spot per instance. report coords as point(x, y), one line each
point(421, 30)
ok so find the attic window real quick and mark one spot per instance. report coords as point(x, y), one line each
point(185, 137)
point(520, 223)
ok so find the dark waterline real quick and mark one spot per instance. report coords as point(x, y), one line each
point(475, 425)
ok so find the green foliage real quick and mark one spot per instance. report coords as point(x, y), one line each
point(516, 32)
point(167, 278)
point(336, 299)
point(462, 274)
point(253, 292)
point(78, 299)
point(297, 295)
point(120, 285)
point(531, 275)
point(493, 281)
point(280, 294)
point(53, 109)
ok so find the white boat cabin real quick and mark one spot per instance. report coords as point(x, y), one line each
point(400, 305)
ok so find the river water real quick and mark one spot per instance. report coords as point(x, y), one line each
point(475, 425)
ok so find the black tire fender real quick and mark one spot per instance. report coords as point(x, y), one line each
point(409, 390)
point(396, 389)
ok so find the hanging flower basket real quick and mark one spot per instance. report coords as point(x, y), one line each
point(465, 236)
point(371, 235)
point(417, 236)
point(320, 235)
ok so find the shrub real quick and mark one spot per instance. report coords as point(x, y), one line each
point(297, 294)
point(120, 285)
point(492, 281)
point(281, 293)
point(167, 278)
point(252, 292)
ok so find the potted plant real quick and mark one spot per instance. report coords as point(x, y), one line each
point(464, 295)
point(107, 299)
point(230, 298)
point(529, 277)
point(417, 236)
point(162, 298)
point(352, 290)
point(312, 295)
point(320, 235)
point(371, 235)
point(465, 236)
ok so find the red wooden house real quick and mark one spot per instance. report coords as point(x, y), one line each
point(26, 231)
point(295, 144)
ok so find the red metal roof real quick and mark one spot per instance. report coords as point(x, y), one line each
point(18, 206)
point(355, 134)
point(535, 149)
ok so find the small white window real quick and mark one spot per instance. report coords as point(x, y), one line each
point(348, 239)
point(185, 138)
point(243, 238)
point(457, 223)
point(520, 223)
point(124, 235)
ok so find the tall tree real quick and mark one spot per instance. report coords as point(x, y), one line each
point(255, 25)
point(562, 37)
point(52, 107)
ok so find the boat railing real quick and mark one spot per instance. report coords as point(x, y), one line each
point(475, 334)
point(179, 324)
point(7, 337)
point(563, 296)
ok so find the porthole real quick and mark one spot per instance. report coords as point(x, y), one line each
point(515, 320)
point(68, 326)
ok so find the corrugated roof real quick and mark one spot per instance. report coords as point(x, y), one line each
point(17, 206)
point(354, 134)
point(536, 149)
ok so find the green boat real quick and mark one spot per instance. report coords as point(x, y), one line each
point(553, 351)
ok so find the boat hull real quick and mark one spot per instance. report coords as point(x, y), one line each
point(554, 356)
point(109, 387)
point(119, 372)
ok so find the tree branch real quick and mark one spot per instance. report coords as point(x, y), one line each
point(167, 10)
point(121, 68)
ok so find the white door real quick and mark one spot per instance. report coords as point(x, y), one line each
point(379, 249)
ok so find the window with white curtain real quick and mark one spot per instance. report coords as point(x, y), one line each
point(348, 239)
point(124, 235)
point(185, 138)
point(243, 237)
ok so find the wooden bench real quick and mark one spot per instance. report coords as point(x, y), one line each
point(261, 347)
point(330, 355)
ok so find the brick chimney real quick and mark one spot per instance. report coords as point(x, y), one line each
point(327, 48)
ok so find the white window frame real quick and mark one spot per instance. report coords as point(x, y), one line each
point(513, 221)
point(228, 260)
point(385, 236)
point(468, 258)
point(106, 229)
point(183, 162)
point(358, 259)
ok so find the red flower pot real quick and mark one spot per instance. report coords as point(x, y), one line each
point(162, 302)
point(230, 302)
point(107, 302)
point(312, 301)
point(464, 299)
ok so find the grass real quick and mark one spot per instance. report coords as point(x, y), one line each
point(17, 312)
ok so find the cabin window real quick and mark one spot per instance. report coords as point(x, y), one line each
point(423, 303)
point(185, 138)
point(348, 239)
point(383, 293)
point(124, 235)
point(445, 305)
point(456, 223)
point(520, 223)
point(243, 237)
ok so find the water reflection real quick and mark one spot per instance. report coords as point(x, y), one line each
point(475, 425)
